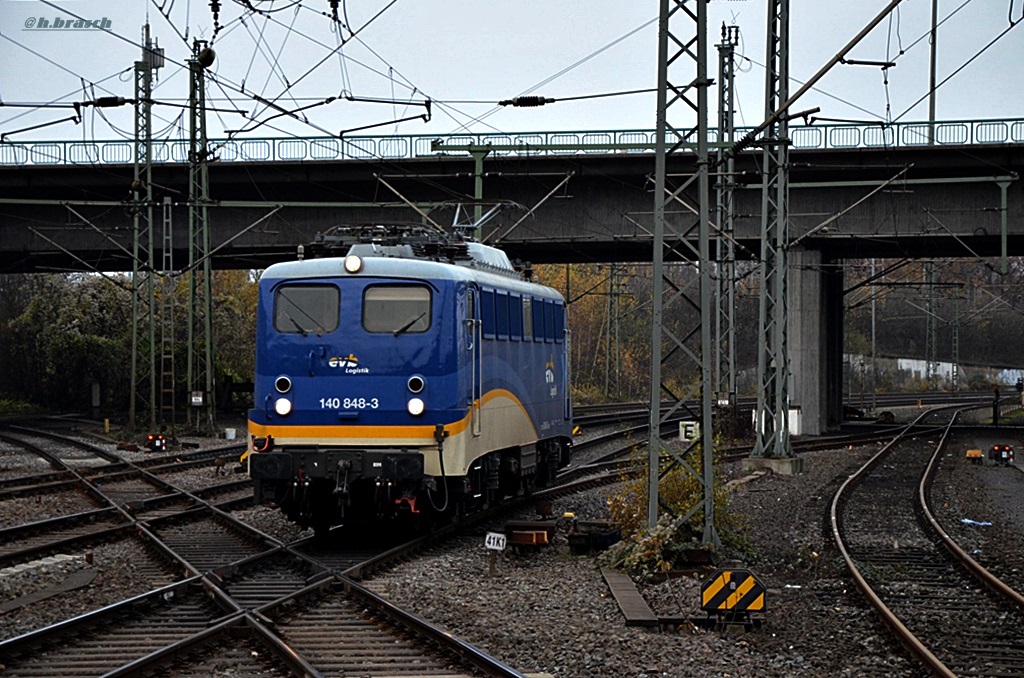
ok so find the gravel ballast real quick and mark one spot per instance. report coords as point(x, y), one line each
point(546, 610)
point(549, 611)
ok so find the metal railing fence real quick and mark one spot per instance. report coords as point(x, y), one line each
point(834, 136)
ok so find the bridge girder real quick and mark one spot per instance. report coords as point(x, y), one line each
point(946, 204)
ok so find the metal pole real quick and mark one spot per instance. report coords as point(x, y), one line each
point(167, 329)
point(657, 265)
point(478, 189)
point(931, 71)
point(956, 343)
point(931, 330)
point(772, 416)
point(725, 340)
point(202, 394)
point(874, 346)
point(710, 534)
point(687, 50)
point(143, 290)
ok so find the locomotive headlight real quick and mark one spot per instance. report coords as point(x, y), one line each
point(353, 264)
point(283, 384)
point(415, 407)
point(415, 383)
point(282, 406)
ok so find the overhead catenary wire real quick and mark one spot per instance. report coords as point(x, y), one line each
point(569, 68)
point(55, 103)
point(961, 67)
point(116, 35)
point(398, 81)
point(447, 110)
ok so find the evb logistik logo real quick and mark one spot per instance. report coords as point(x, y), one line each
point(66, 23)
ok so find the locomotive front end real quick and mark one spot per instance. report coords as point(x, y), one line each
point(355, 385)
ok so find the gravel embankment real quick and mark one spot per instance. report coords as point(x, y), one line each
point(551, 611)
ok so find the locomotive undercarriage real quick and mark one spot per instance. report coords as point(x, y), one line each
point(322, 487)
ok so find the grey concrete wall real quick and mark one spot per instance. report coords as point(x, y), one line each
point(807, 339)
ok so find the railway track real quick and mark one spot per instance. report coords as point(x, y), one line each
point(625, 411)
point(233, 598)
point(945, 608)
point(179, 536)
point(237, 598)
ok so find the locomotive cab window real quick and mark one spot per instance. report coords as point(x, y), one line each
point(396, 309)
point(306, 309)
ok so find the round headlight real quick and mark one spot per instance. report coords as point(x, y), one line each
point(283, 384)
point(415, 407)
point(415, 384)
point(282, 406)
point(353, 264)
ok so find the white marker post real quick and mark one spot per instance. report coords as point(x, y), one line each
point(494, 542)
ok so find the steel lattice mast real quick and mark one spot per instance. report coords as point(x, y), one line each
point(772, 428)
point(168, 385)
point(143, 366)
point(725, 245)
point(200, 280)
point(682, 84)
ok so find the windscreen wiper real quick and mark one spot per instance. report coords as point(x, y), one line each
point(409, 324)
point(295, 322)
point(320, 328)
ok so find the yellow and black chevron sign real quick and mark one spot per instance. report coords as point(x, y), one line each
point(731, 590)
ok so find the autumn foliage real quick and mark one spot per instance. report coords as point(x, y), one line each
point(647, 552)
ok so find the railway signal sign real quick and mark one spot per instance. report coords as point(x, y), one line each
point(689, 430)
point(732, 595)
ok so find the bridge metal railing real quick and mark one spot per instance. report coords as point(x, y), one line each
point(827, 136)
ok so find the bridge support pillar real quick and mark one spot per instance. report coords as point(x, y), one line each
point(783, 466)
point(815, 340)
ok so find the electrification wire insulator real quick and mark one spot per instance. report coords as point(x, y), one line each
point(107, 102)
point(526, 102)
point(215, 10)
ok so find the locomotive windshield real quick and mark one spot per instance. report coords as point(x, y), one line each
point(397, 309)
point(301, 309)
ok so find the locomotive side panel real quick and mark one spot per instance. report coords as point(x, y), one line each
point(516, 376)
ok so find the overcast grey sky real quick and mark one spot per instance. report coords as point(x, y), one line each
point(466, 55)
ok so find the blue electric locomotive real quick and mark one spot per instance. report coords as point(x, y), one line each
point(417, 375)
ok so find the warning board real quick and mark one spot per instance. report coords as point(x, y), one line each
point(732, 590)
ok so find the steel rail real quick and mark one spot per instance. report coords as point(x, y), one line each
point(903, 634)
point(992, 582)
point(958, 573)
point(214, 582)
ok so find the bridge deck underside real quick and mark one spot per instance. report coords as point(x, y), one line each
point(935, 202)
